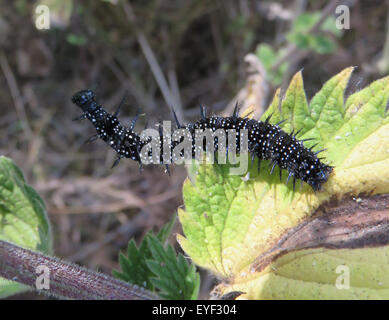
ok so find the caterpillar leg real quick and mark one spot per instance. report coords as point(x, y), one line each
point(116, 162)
point(81, 117)
point(289, 175)
point(294, 181)
point(274, 163)
point(92, 138)
point(167, 169)
point(132, 125)
point(176, 119)
point(252, 157)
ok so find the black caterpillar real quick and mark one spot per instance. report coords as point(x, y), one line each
point(265, 141)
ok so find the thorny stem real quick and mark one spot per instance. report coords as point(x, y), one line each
point(66, 280)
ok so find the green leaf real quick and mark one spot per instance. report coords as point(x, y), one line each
point(230, 220)
point(330, 25)
point(133, 265)
point(302, 41)
point(268, 57)
point(306, 21)
point(313, 274)
point(23, 218)
point(266, 54)
point(174, 276)
point(322, 44)
point(177, 278)
point(166, 230)
point(76, 40)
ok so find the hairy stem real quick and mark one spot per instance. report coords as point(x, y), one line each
point(64, 280)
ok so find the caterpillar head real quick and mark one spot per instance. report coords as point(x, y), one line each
point(83, 97)
point(318, 175)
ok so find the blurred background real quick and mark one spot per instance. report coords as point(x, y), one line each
point(160, 54)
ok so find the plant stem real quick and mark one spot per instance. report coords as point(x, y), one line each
point(65, 280)
point(292, 49)
point(171, 97)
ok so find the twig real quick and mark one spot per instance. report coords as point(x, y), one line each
point(172, 76)
point(15, 93)
point(66, 280)
point(292, 49)
point(128, 85)
point(383, 63)
point(152, 61)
